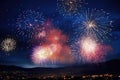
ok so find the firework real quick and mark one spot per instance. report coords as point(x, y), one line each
point(42, 32)
point(52, 54)
point(59, 40)
point(95, 23)
point(56, 36)
point(39, 35)
point(88, 45)
point(91, 51)
point(27, 21)
point(69, 7)
point(88, 48)
point(41, 54)
point(8, 44)
point(53, 50)
point(56, 48)
point(46, 53)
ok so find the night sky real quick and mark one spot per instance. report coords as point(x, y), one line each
point(23, 20)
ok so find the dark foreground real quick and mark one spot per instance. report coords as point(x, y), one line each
point(101, 71)
point(23, 76)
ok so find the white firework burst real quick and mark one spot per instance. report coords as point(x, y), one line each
point(8, 44)
point(95, 23)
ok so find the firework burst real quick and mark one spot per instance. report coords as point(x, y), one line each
point(8, 44)
point(41, 54)
point(88, 49)
point(95, 23)
point(69, 7)
point(27, 21)
point(91, 51)
point(53, 50)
